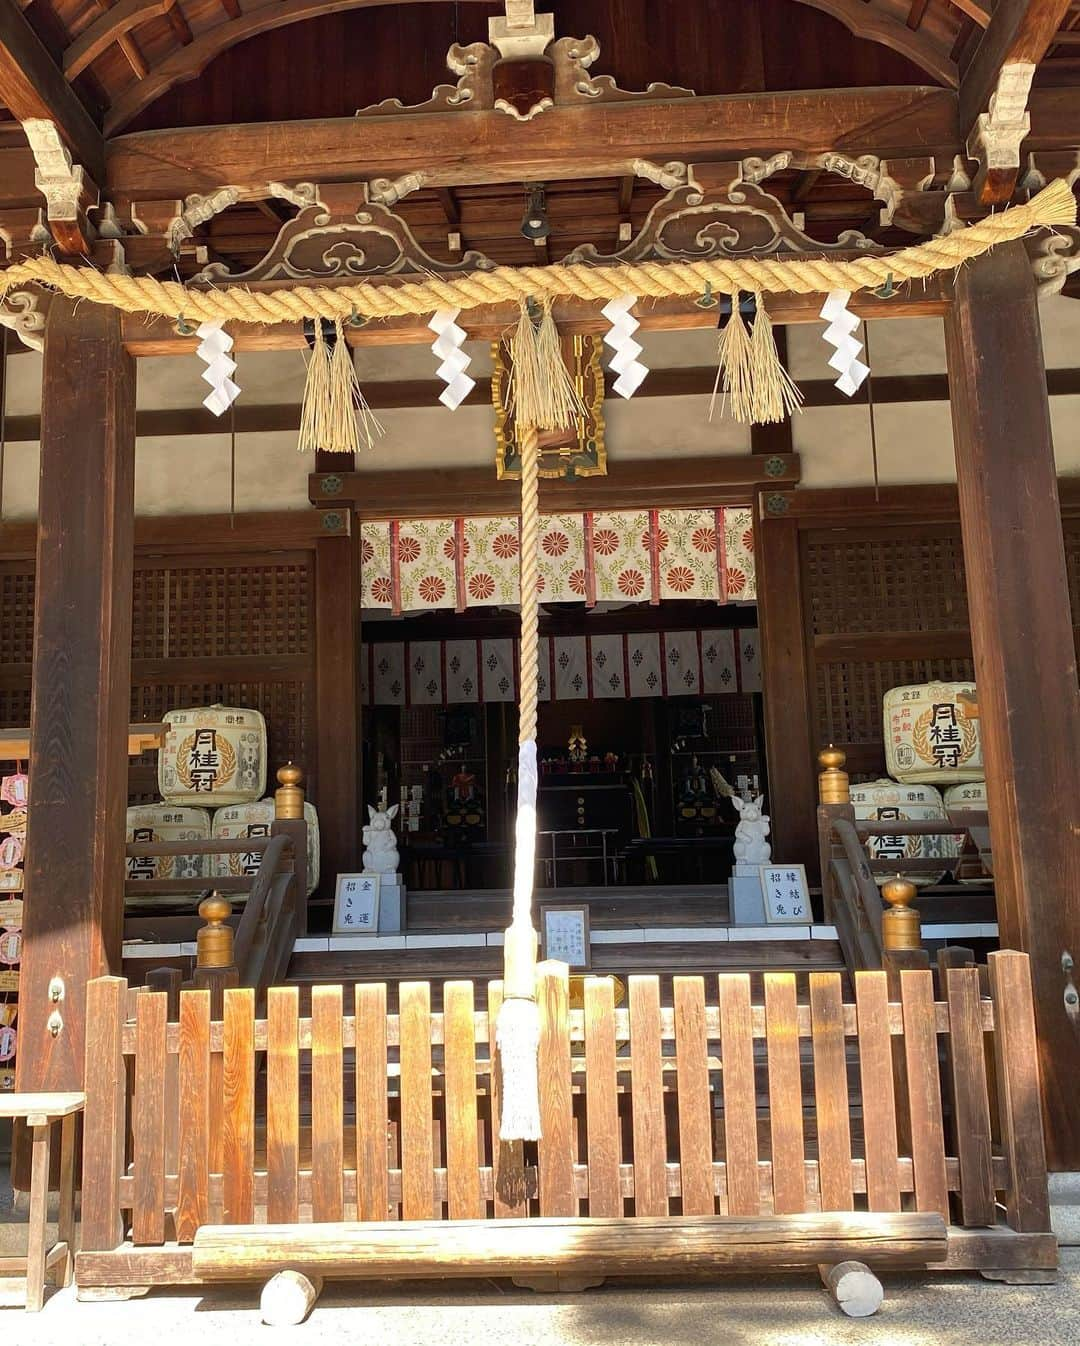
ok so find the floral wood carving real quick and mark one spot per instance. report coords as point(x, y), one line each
point(317, 245)
point(472, 65)
point(22, 312)
point(572, 57)
point(691, 223)
point(1054, 257)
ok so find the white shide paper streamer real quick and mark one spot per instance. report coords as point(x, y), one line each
point(213, 348)
point(840, 333)
point(449, 338)
point(620, 338)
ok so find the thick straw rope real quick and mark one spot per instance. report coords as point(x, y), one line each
point(519, 1023)
point(1054, 205)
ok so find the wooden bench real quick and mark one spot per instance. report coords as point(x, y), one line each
point(22, 1279)
point(566, 1253)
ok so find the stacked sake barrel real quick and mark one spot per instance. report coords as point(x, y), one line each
point(931, 742)
point(212, 781)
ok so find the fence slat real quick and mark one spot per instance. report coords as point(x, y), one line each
point(924, 1092)
point(785, 1094)
point(417, 1161)
point(695, 1102)
point(282, 1105)
point(148, 1121)
point(167, 979)
point(372, 1158)
point(327, 1105)
point(878, 1097)
point(740, 1099)
point(462, 1130)
point(1016, 1047)
point(106, 1105)
point(507, 1157)
point(647, 1098)
point(238, 1120)
point(831, 1103)
point(601, 1099)
point(970, 1097)
point(556, 1147)
point(192, 1204)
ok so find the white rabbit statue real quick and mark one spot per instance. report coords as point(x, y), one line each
point(751, 848)
point(380, 844)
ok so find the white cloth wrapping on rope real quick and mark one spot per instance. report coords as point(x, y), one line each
point(525, 831)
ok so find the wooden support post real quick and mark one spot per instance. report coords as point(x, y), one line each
point(74, 903)
point(788, 709)
point(337, 661)
point(1025, 660)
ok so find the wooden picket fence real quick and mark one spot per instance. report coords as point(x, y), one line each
point(712, 1105)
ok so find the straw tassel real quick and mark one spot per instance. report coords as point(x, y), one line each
point(774, 393)
point(335, 415)
point(542, 395)
point(733, 367)
point(314, 412)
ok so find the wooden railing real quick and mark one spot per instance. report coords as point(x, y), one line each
point(715, 1105)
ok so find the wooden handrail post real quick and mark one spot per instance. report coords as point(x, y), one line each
point(900, 927)
point(215, 969)
point(289, 819)
point(289, 796)
point(834, 784)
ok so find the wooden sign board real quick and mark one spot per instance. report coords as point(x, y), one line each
point(787, 896)
point(356, 904)
point(11, 914)
point(564, 934)
point(9, 981)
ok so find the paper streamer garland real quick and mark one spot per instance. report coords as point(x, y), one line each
point(213, 348)
point(620, 338)
point(449, 338)
point(840, 333)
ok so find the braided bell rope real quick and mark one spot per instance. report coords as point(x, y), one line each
point(1054, 205)
point(528, 659)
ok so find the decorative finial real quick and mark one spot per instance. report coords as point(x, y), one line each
point(900, 923)
point(834, 785)
point(289, 796)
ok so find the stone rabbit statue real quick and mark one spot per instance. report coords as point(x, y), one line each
point(751, 848)
point(380, 844)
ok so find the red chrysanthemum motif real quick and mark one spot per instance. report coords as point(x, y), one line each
point(431, 589)
point(367, 551)
point(408, 550)
point(505, 546)
point(748, 539)
point(704, 539)
point(662, 540)
point(681, 579)
point(606, 541)
point(577, 582)
point(631, 583)
point(382, 590)
point(481, 585)
point(555, 543)
point(450, 547)
point(541, 584)
point(736, 582)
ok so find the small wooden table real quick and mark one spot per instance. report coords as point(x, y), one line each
point(22, 1279)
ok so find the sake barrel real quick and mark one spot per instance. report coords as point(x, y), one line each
point(213, 755)
point(168, 822)
point(930, 736)
point(882, 800)
point(254, 820)
point(969, 796)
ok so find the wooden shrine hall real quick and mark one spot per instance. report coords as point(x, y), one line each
point(539, 601)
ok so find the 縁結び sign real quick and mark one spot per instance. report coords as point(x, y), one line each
point(787, 896)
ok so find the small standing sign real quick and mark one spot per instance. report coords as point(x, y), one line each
point(564, 934)
point(356, 904)
point(787, 896)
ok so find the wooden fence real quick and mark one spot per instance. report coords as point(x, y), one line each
point(711, 1105)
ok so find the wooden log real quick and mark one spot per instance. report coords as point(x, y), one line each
point(568, 1246)
point(854, 1287)
point(288, 1297)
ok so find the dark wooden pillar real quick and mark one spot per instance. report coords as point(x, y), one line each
point(1025, 660)
point(336, 790)
point(786, 693)
point(73, 916)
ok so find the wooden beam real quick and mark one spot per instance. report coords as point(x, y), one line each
point(337, 755)
point(15, 743)
point(668, 482)
point(109, 27)
point(1025, 659)
point(1019, 32)
point(73, 913)
point(788, 706)
point(598, 140)
point(32, 86)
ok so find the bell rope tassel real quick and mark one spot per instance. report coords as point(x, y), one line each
point(517, 1029)
point(733, 370)
point(774, 393)
point(542, 394)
